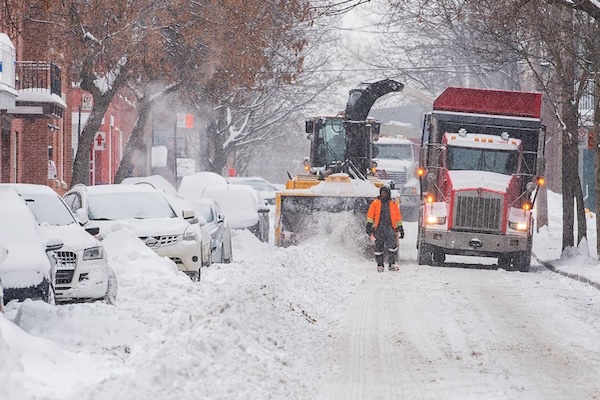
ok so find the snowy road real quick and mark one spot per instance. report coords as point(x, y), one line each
point(443, 333)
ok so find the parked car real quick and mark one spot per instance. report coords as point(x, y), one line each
point(266, 189)
point(28, 270)
point(82, 273)
point(149, 215)
point(217, 226)
point(244, 208)
point(179, 204)
point(193, 186)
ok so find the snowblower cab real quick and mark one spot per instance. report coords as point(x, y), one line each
point(340, 174)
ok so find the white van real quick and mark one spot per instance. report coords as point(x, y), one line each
point(396, 161)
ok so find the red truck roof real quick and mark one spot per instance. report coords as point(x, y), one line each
point(486, 101)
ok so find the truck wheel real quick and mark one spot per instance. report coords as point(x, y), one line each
point(522, 261)
point(424, 255)
point(438, 258)
point(504, 262)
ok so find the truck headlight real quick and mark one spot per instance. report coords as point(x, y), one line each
point(409, 190)
point(190, 235)
point(518, 226)
point(93, 253)
point(435, 220)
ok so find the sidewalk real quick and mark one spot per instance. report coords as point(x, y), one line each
point(576, 263)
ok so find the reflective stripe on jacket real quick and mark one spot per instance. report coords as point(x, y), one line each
point(375, 211)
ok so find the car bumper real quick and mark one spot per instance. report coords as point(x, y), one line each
point(185, 254)
point(87, 282)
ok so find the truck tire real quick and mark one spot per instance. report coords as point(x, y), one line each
point(522, 260)
point(438, 258)
point(424, 254)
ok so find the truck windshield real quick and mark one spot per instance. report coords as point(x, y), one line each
point(330, 142)
point(394, 151)
point(476, 159)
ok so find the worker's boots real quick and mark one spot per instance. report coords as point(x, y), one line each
point(379, 259)
point(392, 260)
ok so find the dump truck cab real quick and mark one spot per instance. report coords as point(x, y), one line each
point(481, 162)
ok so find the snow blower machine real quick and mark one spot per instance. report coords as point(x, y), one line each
point(340, 180)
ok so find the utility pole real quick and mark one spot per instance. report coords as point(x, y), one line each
point(175, 151)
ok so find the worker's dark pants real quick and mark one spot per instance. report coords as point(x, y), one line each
point(385, 238)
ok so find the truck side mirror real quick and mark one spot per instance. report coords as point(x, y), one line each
point(309, 127)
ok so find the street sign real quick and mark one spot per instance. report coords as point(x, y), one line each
point(185, 121)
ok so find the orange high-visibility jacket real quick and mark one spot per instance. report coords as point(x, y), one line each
point(375, 211)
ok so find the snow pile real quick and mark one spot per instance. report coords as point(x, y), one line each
point(248, 330)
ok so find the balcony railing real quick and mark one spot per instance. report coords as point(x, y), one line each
point(31, 75)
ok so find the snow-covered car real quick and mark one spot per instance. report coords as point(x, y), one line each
point(179, 204)
point(217, 226)
point(28, 270)
point(82, 273)
point(266, 189)
point(244, 208)
point(193, 186)
point(146, 212)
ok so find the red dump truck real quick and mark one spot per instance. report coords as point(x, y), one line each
point(481, 162)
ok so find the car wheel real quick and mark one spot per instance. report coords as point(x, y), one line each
point(112, 288)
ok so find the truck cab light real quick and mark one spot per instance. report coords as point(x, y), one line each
point(430, 198)
point(541, 181)
point(526, 206)
point(421, 171)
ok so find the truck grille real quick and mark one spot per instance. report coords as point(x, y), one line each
point(399, 177)
point(477, 212)
point(66, 259)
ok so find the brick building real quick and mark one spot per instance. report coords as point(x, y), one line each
point(39, 131)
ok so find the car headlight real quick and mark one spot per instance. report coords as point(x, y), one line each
point(93, 253)
point(435, 220)
point(518, 226)
point(190, 235)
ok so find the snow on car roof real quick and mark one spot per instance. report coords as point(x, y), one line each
point(18, 223)
point(29, 188)
point(116, 188)
point(157, 181)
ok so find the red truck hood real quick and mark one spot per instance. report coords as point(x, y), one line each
point(463, 180)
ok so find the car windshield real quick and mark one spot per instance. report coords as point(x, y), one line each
point(17, 226)
point(394, 151)
point(256, 185)
point(49, 209)
point(205, 210)
point(111, 206)
point(477, 159)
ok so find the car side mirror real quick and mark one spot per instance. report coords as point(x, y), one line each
point(82, 216)
point(93, 230)
point(54, 244)
point(263, 210)
point(221, 218)
point(188, 214)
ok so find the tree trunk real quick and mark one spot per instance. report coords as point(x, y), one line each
point(81, 165)
point(135, 142)
point(216, 134)
point(581, 221)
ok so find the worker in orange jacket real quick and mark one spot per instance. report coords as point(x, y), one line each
point(384, 220)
